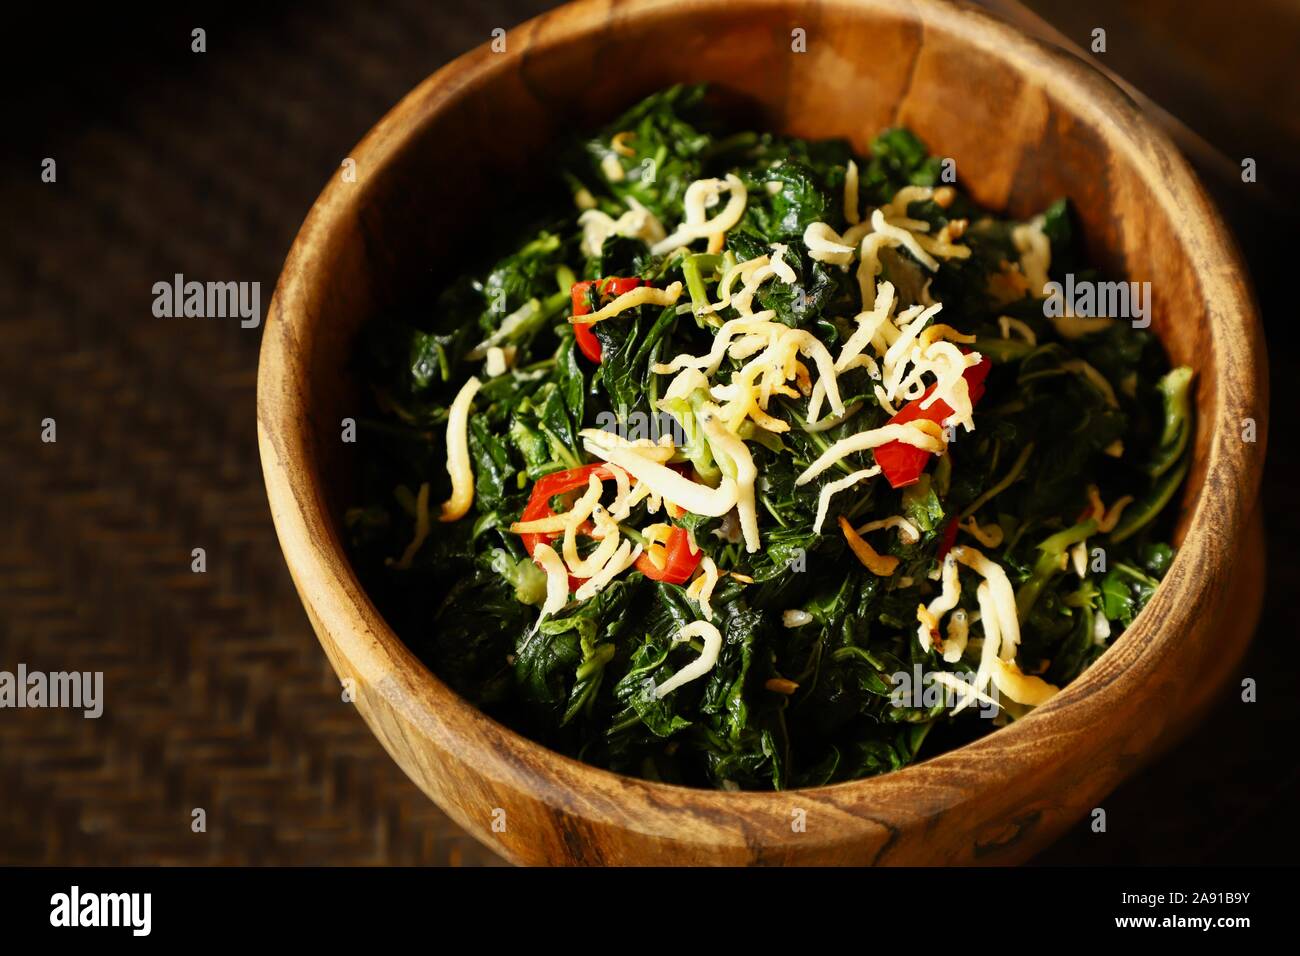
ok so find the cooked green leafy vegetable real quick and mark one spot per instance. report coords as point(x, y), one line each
point(765, 465)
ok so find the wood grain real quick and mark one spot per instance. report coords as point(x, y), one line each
point(1025, 125)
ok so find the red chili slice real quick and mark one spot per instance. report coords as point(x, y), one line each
point(901, 463)
point(546, 488)
point(681, 563)
point(948, 538)
point(682, 559)
point(610, 287)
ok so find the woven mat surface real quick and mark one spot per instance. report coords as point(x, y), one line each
point(217, 694)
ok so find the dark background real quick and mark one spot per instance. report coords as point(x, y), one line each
point(217, 695)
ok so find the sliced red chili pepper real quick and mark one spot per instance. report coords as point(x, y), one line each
point(586, 340)
point(546, 488)
point(588, 344)
point(681, 559)
point(681, 555)
point(681, 562)
point(901, 463)
point(948, 538)
point(613, 286)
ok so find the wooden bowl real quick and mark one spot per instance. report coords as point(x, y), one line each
point(1025, 124)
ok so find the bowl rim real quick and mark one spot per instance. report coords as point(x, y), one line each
point(335, 599)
